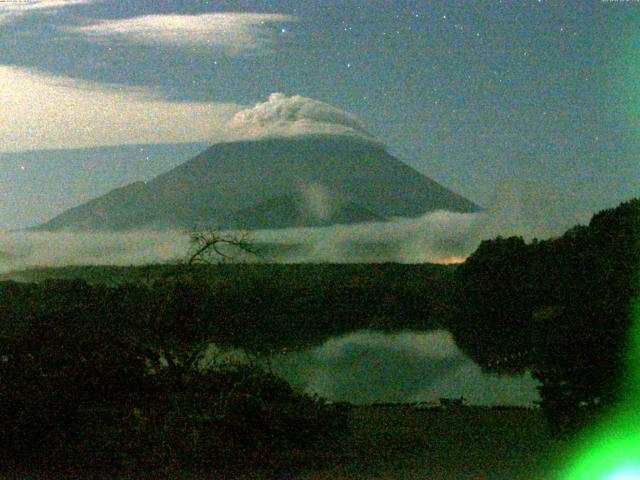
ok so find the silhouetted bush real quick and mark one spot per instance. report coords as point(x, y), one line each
point(560, 308)
point(82, 392)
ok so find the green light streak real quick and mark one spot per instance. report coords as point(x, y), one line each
point(611, 451)
point(625, 77)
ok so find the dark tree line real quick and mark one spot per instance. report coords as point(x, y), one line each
point(561, 308)
point(262, 306)
point(98, 380)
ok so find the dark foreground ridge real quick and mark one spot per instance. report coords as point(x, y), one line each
point(403, 442)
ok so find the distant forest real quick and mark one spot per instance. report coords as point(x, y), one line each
point(101, 368)
point(561, 308)
point(260, 307)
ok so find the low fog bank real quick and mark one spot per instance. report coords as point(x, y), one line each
point(368, 366)
point(439, 237)
point(20, 250)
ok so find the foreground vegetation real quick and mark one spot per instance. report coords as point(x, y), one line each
point(83, 393)
point(105, 369)
point(561, 308)
point(400, 442)
point(261, 307)
point(114, 377)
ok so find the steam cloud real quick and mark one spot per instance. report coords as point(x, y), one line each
point(282, 116)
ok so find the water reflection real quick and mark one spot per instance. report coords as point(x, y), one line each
point(368, 366)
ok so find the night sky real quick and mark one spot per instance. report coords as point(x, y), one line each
point(527, 107)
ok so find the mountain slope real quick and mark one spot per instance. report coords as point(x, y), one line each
point(317, 179)
point(296, 211)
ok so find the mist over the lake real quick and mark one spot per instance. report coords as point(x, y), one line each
point(439, 237)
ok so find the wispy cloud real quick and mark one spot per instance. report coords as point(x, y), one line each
point(232, 32)
point(39, 111)
point(12, 9)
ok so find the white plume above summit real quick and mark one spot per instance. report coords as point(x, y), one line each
point(97, 114)
point(282, 116)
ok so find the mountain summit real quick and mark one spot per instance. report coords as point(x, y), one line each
point(270, 183)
